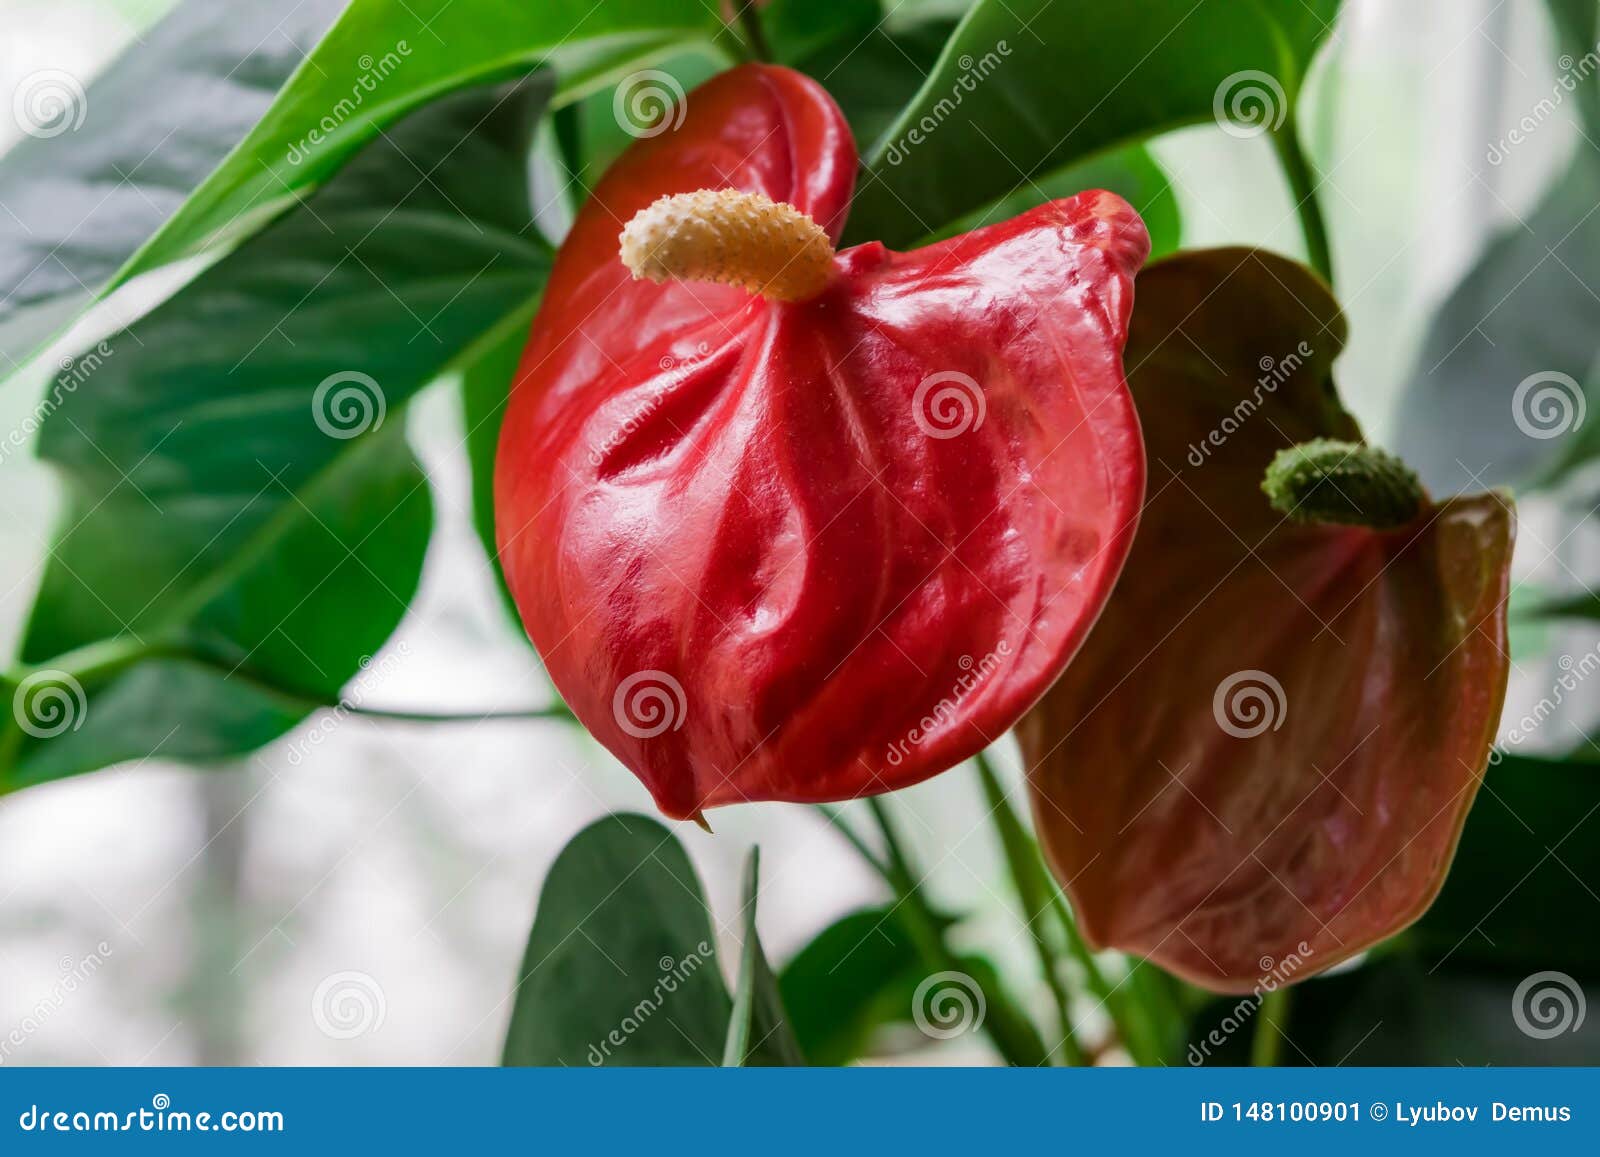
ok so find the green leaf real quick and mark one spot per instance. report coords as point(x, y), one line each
point(243, 515)
point(1522, 892)
point(381, 61)
point(1131, 173)
point(1510, 363)
point(485, 392)
point(147, 130)
point(621, 964)
point(798, 30)
point(857, 975)
point(1026, 87)
point(1511, 354)
point(758, 1030)
point(872, 76)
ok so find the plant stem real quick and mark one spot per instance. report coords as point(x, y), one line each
point(755, 38)
point(1303, 188)
point(1010, 1031)
point(844, 829)
point(1272, 1018)
point(1033, 890)
point(100, 661)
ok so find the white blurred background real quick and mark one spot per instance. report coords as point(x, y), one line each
point(414, 853)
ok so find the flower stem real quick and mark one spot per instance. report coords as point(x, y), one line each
point(755, 39)
point(1008, 1028)
point(1303, 188)
point(1272, 1018)
point(1033, 890)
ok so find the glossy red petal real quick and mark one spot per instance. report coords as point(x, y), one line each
point(821, 550)
point(1261, 760)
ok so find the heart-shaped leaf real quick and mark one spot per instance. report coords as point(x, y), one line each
point(244, 522)
point(621, 965)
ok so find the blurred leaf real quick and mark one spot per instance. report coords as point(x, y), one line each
point(855, 976)
point(1395, 1011)
point(621, 964)
point(1510, 357)
point(1507, 372)
point(245, 523)
point(1524, 890)
point(1131, 173)
point(100, 177)
point(381, 61)
point(1026, 87)
point(758, 1030)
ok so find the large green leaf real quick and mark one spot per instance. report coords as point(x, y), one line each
point(91, 183)
point(382, 60)
point(243, 513)
point(1132, 173)
point(1026, 87)
point(857, 975)
point(758, 1031)
point(621, 965)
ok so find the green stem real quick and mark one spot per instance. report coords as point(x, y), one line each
point(755, 38)
point(1303, 188)
point(1272, 1019)
point(842, 826)
point(1010, 1031)
point(1027, 877)
point(97, 662)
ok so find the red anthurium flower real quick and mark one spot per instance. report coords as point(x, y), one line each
point(792, 524)
point(1261, 761)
